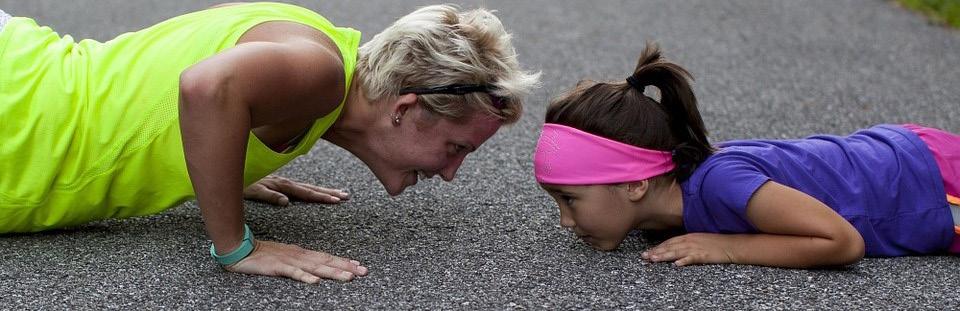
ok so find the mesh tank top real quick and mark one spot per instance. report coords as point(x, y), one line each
point(90, 130)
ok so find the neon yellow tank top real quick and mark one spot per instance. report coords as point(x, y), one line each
point(89, 130)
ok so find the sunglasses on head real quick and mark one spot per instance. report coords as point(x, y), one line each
point(459, 89)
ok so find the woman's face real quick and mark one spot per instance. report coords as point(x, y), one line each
point(601, 215)
point(424, 145)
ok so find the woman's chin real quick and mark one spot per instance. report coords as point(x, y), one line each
point(396, 187)
point(395, 190)
point(605, 246)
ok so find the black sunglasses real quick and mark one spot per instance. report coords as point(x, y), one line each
point(459, 89)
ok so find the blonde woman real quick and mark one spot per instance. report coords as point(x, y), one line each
point(208, 104)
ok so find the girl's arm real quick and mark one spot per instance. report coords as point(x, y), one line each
point(221, 99)
point(798, 232)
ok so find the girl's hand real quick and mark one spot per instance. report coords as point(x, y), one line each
point(692, 248)
point(291, 261)
point(275, 190)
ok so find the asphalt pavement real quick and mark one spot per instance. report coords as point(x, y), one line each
point(491, 239)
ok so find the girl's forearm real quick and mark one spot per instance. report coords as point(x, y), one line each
point(799, 231)
point(791, 251)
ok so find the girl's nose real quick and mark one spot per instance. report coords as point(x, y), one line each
point(565, 220)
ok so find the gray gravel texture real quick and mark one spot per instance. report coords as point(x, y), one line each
point(491, 240)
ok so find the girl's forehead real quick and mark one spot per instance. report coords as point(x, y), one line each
point(562, 188)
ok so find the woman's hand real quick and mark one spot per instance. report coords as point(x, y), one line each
point(692, 248)
point(278, 190)
point(291, 261)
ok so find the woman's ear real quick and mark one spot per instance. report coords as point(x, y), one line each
point(401, 105)
point(637, 189)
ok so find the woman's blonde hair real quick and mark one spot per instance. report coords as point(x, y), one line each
point(438, 45)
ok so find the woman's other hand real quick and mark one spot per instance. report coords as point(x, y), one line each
point(278, 191)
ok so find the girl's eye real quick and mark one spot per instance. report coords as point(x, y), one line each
point(568, 200)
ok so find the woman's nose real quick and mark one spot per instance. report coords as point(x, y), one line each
point(450, 171)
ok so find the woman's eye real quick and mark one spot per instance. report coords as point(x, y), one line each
point(568, 200)
point(457, 149)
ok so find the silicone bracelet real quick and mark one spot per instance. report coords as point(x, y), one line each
point(245, 248)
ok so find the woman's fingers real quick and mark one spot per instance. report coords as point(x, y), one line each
point(260, 192)
point(315, 271)
point(300, 275)
point(337, 262)
point(332, 273)
point(343, 195)
point(331, 267)
point(294, 262)
point(308, 194)
point(279, 191)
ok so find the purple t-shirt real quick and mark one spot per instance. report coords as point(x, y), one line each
point(883, 180)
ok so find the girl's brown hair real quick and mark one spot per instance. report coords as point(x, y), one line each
point(620, 111)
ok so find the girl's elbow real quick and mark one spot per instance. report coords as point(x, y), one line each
point(850, 249)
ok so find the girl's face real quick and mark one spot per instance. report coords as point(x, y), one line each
point(601, 215)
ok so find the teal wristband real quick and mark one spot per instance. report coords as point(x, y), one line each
point(245, 248)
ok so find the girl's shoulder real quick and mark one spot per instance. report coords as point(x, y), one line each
point(729, 170)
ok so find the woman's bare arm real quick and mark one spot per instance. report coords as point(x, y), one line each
point(222, 98)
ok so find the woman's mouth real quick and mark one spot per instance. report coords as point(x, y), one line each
point(417, 175)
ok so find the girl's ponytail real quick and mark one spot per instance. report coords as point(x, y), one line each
point(620, 111)
point(680, 104)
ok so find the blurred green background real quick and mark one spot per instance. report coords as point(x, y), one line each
point(941, 11)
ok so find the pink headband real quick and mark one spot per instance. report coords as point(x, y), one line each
point(568, 156)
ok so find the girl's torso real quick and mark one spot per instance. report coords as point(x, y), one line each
point(883, 180)
point(89, 130)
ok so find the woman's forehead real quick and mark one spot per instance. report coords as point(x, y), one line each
point(476, 130)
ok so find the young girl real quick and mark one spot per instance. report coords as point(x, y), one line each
point(616, 160)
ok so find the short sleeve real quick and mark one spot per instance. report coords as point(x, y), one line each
point(725, 191)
